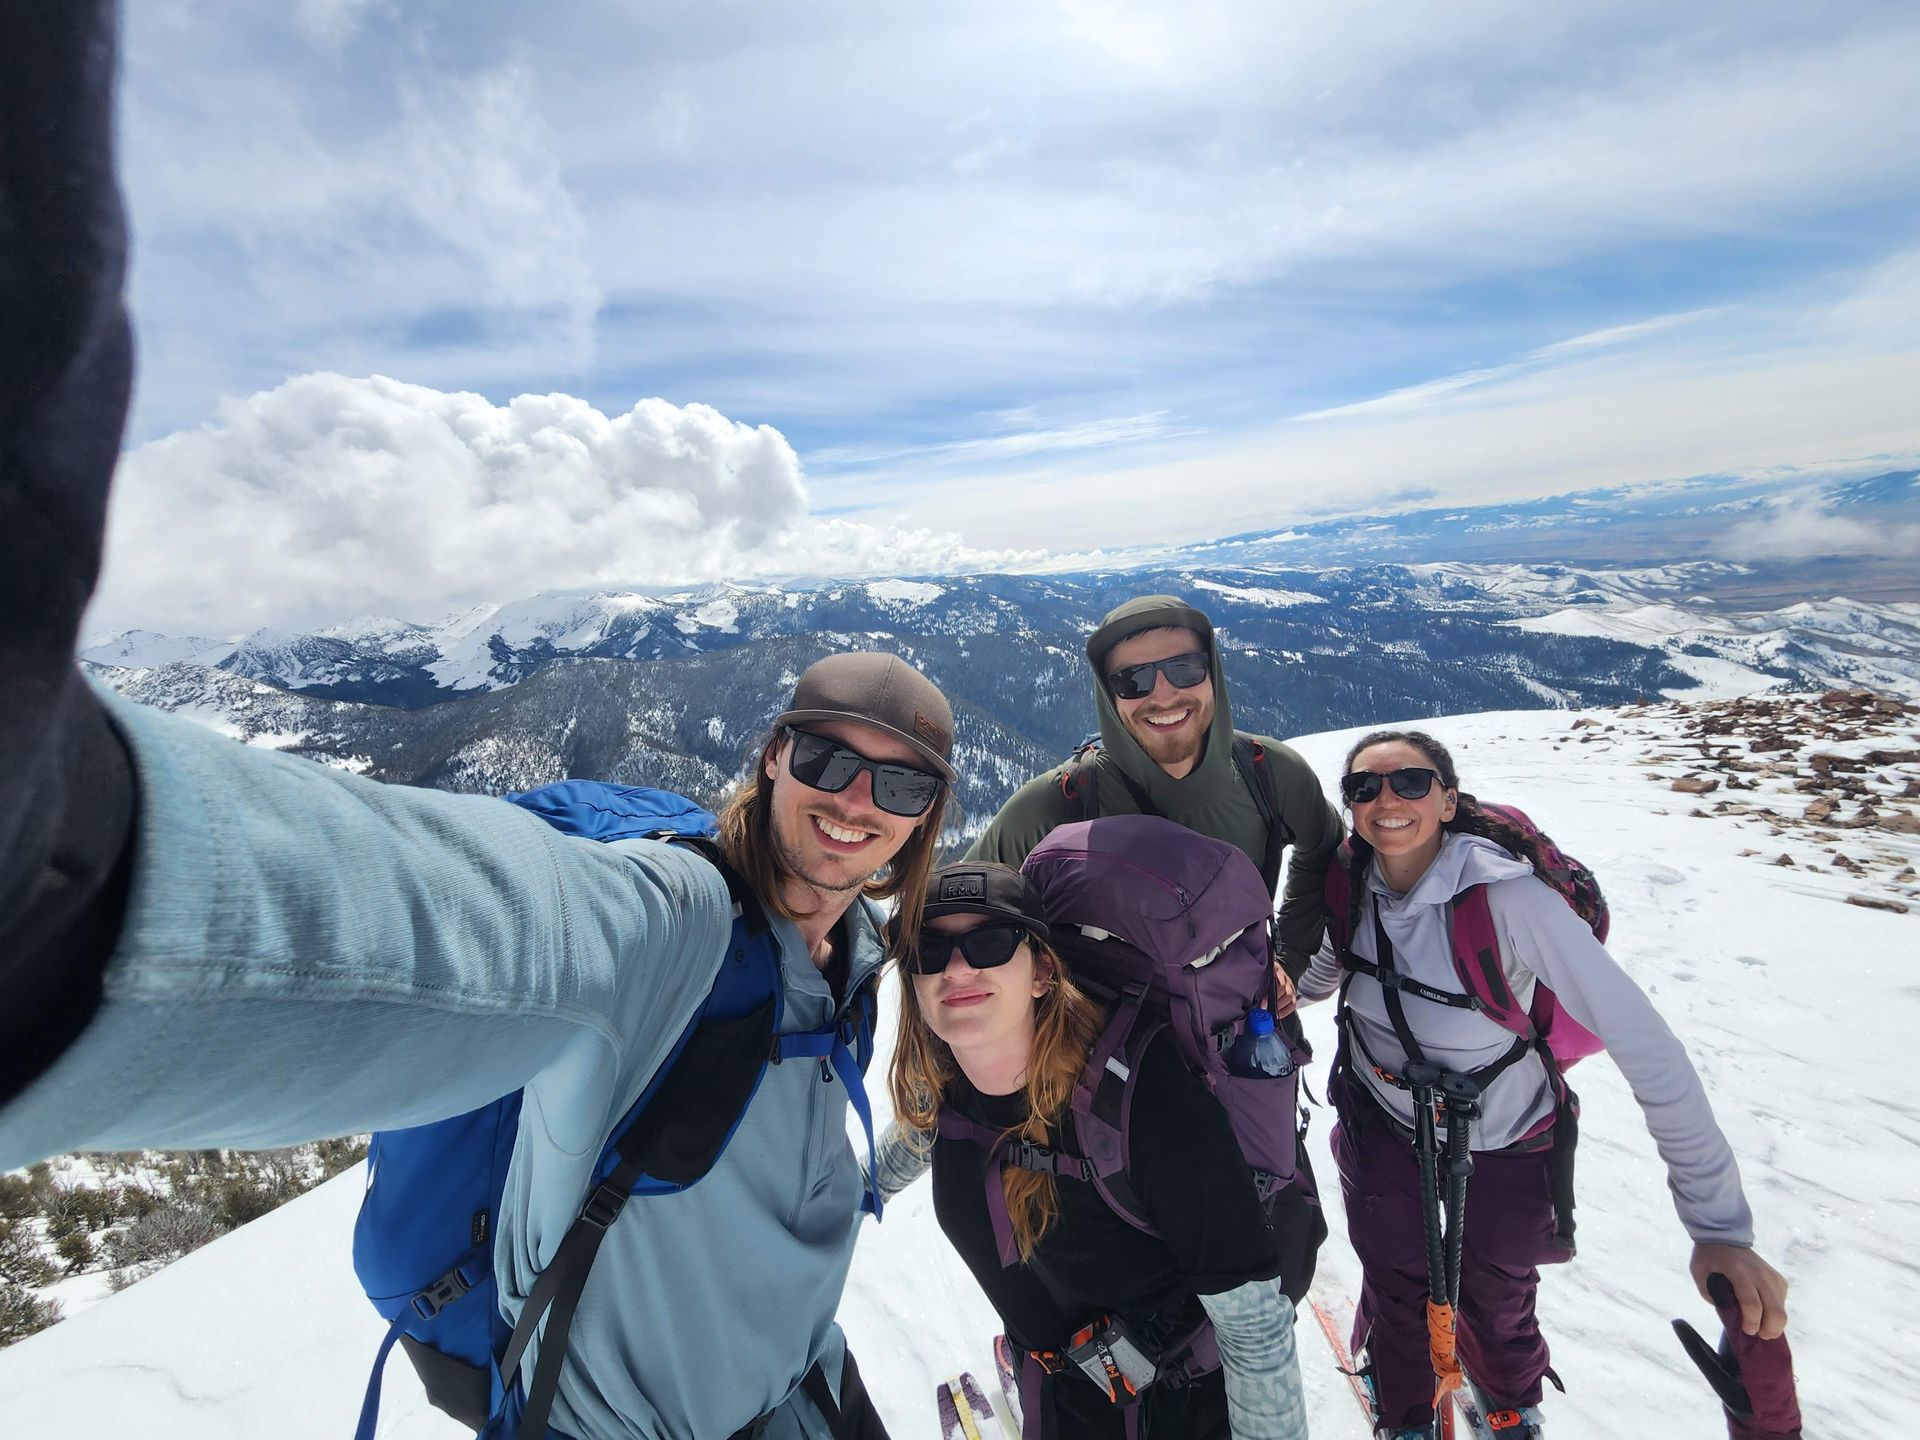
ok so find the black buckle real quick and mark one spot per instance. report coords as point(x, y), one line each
point(441, 1293)
point(604, 1207)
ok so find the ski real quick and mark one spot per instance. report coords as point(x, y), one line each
point(1459, 1417)
point(1338, 1344)
point(963, 1409)
point(1008, 1366)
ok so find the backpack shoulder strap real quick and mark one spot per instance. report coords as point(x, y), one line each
point(1079, 781)
point(713, 1072)
point(1477, 963)
point(1250, 759)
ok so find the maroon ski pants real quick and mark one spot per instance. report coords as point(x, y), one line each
point(1509, 1233)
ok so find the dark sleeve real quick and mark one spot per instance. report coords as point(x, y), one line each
point(1187, 1168)
point(1023, 822)
point(66, 787)
point(1317, 832)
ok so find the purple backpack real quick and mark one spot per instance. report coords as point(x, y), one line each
point(1169, 929)
point(1476, 944)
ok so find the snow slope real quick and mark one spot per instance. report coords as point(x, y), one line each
point(1792, 1003)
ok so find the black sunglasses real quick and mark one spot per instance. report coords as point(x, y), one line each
point(1136, 682)
point(983, 947)
point(824, 764)
point(1361, 786)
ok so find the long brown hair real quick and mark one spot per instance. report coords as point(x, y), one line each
point(1469, 816)
point(746, 839)
point(1066, 1023)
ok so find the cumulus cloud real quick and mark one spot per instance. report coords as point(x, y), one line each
point(331, 496)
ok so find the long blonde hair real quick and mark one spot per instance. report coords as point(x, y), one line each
point(746, 839)
point(1066, 1024)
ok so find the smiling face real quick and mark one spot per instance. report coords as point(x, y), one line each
point(1405, 834)
point(830, 844)
point(985, 1016)
point(1170, 724)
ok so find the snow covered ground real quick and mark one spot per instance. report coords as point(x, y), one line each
point(1797, 1008)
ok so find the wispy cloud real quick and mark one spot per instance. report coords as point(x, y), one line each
point(1016, 444)
point(1429, 392)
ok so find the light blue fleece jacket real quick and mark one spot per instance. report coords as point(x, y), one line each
point(307, 953)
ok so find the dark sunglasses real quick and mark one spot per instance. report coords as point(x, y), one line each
point(1136, 682)
point(1361, 786)
point(824, 764)
point(983, 947)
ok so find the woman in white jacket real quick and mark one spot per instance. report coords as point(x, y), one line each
point(1418, 842)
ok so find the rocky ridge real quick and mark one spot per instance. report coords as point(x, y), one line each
point(1832, 781)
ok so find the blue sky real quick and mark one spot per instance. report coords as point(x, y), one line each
point(1004, 277)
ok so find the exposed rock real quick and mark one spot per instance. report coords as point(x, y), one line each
point(1877, 902)
point(1695, 785)
point(1786, 860)
point(1901, 822)
point(1820, 810)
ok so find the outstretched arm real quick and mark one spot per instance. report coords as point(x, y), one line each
point(1539, 928)
point(206, 945)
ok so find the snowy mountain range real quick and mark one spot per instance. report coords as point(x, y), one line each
point(1762, 886)
point(673, 688)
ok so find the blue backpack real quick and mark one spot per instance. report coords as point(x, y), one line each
point(423, 1245)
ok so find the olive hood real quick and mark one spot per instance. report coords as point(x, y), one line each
point(1213, 778)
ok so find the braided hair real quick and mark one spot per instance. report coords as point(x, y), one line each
point(1470, 817)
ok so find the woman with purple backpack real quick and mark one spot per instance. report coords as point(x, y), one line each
point(1451, 1045)
point(1108, 1321)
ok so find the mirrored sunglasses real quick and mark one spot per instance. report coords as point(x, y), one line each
point(1136, 682)
point(1362, 786)
point(824, 764)
point(983, 947)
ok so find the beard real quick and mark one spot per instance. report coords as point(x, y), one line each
point(823, 873)
point(1187, 744)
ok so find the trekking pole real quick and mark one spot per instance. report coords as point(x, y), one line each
point(1422, 1078)
point(1462, 1096)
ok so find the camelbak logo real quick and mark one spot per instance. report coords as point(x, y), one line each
point(928, 731)
point(964, 887)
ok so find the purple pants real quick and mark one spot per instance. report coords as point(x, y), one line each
point(1509, 1232)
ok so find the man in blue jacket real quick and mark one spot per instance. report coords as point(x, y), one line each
point(206, 945)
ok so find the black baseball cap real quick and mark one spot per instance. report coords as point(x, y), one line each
point(977, 887)
point(883, 691)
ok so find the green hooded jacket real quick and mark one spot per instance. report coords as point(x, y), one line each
point(1211, 799)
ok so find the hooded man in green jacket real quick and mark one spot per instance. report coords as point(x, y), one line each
point(1167, 748)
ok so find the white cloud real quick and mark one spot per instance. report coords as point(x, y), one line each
point(332, 23)
point(1803, 529)
point(478, 169)
point(1614, 418)
point(331, 496)
point(1428, 392)
point(1031, 440)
